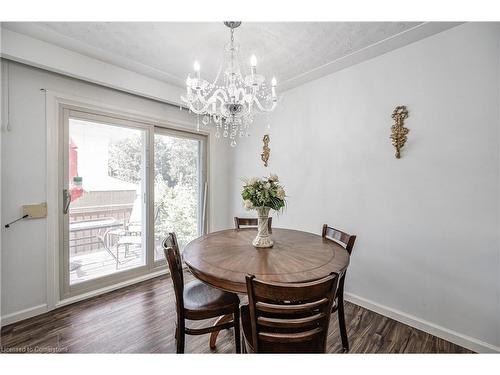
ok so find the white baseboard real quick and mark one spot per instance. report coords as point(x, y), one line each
point(431, 328)
point(24, 314)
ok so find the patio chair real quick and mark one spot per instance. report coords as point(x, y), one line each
point(130, 235)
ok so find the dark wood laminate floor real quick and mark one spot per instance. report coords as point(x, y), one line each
point(141, 319)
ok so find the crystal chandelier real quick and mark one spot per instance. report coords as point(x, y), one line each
point(232, 99)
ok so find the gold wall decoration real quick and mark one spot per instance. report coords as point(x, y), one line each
point(399, 132)
point(266, 151)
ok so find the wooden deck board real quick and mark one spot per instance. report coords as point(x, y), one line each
point(100, 263)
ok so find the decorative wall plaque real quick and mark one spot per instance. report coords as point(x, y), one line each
point(266, 151)
point(399, 132)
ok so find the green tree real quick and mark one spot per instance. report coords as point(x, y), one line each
point(177, 211)
point(176, 168)
point(124, 161)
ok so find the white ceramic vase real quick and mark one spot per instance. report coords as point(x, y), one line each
point(263, 239)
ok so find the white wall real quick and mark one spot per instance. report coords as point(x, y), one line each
point(428, 224)
point(23, 160)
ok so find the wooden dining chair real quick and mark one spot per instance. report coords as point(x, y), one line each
point(346, 241)
point(249, 222)
point(287, 317)
point(198, 301)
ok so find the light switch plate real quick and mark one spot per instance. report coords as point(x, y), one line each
point(35, 211)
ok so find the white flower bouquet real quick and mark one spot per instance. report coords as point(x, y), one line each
point(263, 194)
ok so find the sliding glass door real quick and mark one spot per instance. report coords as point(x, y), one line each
point(179, 174)
point(125, 185)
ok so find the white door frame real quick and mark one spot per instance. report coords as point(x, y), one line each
point(55, 103)
point(66, 289)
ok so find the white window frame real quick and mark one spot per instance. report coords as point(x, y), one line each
point(56, 104)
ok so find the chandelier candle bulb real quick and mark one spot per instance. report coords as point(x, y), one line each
point(273, 87)
point(197, 70)
point(253, 66)
point(188, 85)
point(253, 61)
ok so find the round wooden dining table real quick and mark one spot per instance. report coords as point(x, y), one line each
point(223, 259)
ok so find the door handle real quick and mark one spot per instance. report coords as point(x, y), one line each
point(66, 200)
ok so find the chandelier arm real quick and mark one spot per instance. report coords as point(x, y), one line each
point(222, 93)
point(193, 109)
point(217, 76)
point(218, 95)
point(241, 93)
point(200, 97)
point(262, 108)
point(197, 111)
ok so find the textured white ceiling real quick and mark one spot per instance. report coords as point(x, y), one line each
point(167, 50)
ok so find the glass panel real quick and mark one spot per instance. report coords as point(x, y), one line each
point(107, 212)
point(177, 190)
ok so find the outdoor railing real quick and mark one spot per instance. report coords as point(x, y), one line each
point(86, 241)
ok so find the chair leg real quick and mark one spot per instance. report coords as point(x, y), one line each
point(341, 316)
point(237, 334)
point(180, 336)
point(117, 255)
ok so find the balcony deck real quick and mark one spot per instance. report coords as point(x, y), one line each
point(100, 263)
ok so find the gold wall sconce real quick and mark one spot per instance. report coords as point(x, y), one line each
point(266, 151)
point(398, 130)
